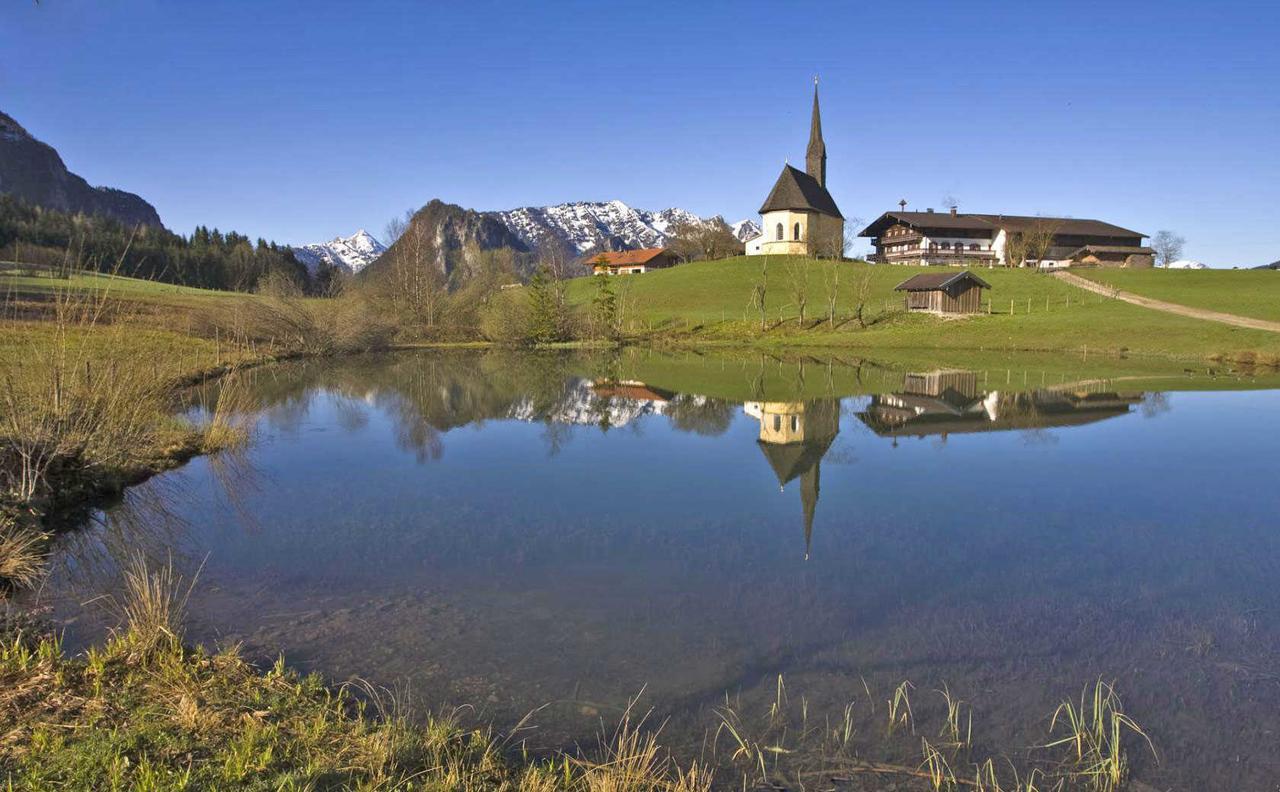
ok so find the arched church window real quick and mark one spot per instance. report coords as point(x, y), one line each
point(779, 232)
point(796, 232)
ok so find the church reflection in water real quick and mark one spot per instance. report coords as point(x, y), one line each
point(795, 436)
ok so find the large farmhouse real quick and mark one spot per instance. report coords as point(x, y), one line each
point(953, 238)
point(800, 217)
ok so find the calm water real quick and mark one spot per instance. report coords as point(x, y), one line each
point(512, 532)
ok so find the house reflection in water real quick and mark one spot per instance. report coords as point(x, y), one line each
point(794, 437)
point(948, 401)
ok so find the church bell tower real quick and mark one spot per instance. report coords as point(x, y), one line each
point(815, 157)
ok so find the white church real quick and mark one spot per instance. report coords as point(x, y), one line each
point(800, 217)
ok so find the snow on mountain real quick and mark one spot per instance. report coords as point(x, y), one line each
point(1186, 264)
point(582, 406)
point(352, 253)
point(745, 229)
point(595, 225)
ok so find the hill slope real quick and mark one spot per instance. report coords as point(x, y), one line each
point(1252, 293)
point(712, 301)
point(33, 171)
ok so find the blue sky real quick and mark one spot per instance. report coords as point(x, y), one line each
point(303, 120)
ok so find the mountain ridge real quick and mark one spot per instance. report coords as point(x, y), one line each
point(351, 254)
point(34, 172)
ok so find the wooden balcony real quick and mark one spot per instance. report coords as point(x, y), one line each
point(937, 253)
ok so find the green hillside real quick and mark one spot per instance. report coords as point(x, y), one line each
point(712, 302)
point(1254, 293)
point(16, 281)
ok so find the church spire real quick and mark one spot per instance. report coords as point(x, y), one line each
point(815, 158)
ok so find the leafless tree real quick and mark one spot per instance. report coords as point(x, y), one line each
point(798, 270)
point(831, 278)
point(415, 281)
point(704, 240)
point(1168, 247)
point(395, 227)
point(1029, 246)
point(861, 294)
point(760, 292)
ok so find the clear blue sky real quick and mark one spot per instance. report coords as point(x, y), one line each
point(300, 121)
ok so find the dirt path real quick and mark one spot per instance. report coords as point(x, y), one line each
point(1168, 307)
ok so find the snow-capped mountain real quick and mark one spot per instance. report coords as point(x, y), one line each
point(745, 229)
point(352, 253)
point(1186, 264)
point(581, 405)
point(595, 225)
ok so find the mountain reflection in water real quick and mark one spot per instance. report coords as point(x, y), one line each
point(517, 530)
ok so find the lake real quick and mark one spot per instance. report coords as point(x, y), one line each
point(563, 533)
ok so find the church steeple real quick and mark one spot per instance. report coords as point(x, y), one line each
point(815, 158)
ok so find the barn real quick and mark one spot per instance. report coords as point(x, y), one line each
point(944, 292)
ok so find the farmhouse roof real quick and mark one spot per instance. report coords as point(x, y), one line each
point(620, 257)
point(993, 222)
point(932, 281)
point(796, 189)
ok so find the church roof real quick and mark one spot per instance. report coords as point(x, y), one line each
point(790, 460)
point(797, 190)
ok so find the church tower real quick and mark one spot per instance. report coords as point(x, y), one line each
point(800, 217)
point(815, 157)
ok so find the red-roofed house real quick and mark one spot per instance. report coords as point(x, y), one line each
point(633, 262)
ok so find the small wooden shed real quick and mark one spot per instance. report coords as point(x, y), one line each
point(944, 292)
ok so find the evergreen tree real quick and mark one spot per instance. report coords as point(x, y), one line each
point(547, 311)
point(604, 309)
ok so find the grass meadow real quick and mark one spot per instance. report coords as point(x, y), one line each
point(1253, 293)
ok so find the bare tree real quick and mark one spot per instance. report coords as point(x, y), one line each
point(1029, 246)
point(830, 244)
point(415, 281)
point(861, 294)
point(760, 292)
point(703, 240)
point(395, 227)
point(798, 271)
point(1168, 247)
point(831, 278)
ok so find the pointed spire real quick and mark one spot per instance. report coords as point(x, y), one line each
point(809, 486)
point(816, 154)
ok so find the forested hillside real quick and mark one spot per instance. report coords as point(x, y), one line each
point(209, 259)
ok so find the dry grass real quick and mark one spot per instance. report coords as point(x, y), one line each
point(67, 408)
point(21, 553)
point(283, 322)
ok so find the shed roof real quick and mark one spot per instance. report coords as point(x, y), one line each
point(620, 257)
point(796, 189)
point(932, 281)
